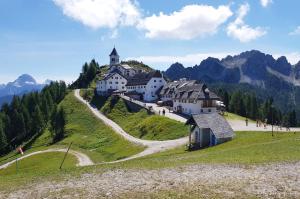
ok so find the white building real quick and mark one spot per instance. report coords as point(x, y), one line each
point(189, 97)
point(113, 81)
point(147, 85)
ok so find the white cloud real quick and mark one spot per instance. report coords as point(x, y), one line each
point(265, 3)
point(190, 22)
point(296, 31)
point(241, 31)
point(101, 13)
point(163, 62)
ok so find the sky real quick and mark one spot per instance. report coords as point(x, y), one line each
point(52, 39)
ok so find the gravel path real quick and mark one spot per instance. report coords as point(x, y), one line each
point(239, 125)
point(228, 181)
point(152, 146)
point(83, 160)
point(157, 109)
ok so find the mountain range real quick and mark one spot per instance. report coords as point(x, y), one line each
point(252, 67)
point(250, 71)
point(23, 84)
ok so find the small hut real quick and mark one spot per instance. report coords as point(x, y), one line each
point(208, 129)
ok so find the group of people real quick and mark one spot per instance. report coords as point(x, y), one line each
point(163, 112)
point(260, 123)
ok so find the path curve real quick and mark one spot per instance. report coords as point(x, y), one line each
point(152, 146)
point(83, 160)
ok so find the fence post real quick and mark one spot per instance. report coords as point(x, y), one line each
point(65, 155)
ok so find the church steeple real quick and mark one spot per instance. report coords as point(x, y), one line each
point(114, 57)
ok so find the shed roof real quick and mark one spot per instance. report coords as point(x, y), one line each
point(218, 125)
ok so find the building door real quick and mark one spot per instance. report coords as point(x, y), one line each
point(205, 142)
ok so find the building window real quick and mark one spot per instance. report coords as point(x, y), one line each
point(160, 80)
point(154, 80)
point(209, 110)
point(122, 87)
point(154, 86)
point(117, 82)
point(110, 82)
point(123, 82)
point(201, 110)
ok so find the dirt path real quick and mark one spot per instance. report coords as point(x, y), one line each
point(152, 146)
point(83, 160)
point(196, 181)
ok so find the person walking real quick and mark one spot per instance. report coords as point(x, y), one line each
point(164, 112)
point(246, 121)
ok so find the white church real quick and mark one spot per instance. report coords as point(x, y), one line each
point(122, 78)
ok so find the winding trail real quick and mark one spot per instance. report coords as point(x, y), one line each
point(152, 146)
point(83, 160)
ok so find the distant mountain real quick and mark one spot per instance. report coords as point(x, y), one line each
point(252, 67)
point(23, 84)
point(251, 71)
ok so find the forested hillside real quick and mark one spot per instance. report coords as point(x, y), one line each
point(28, 116)
point(246, 103)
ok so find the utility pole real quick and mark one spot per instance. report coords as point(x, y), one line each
point(272, 120)
point(16, 164)
point(65, 155)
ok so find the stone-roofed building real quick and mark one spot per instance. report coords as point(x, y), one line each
point(208, 130)
point(189, 97)
point(146, 84)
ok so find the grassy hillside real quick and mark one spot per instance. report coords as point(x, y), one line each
point(141, 124)
point(246, 148)
point(91, 136)
point(88, 135)
point(41, 163)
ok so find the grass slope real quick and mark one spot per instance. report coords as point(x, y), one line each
point(141, 124)
point(41, 163)
point(246, 148)
point(93, 137)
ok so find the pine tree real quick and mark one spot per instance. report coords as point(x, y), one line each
point(58, 122)
point(226, 100)
point(3, 140)
point(254, 108)
point(38, 120)
point(292, 118)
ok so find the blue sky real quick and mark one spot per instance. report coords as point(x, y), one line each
point(51, 39)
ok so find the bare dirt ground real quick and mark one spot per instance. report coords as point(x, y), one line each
point(225, 181)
